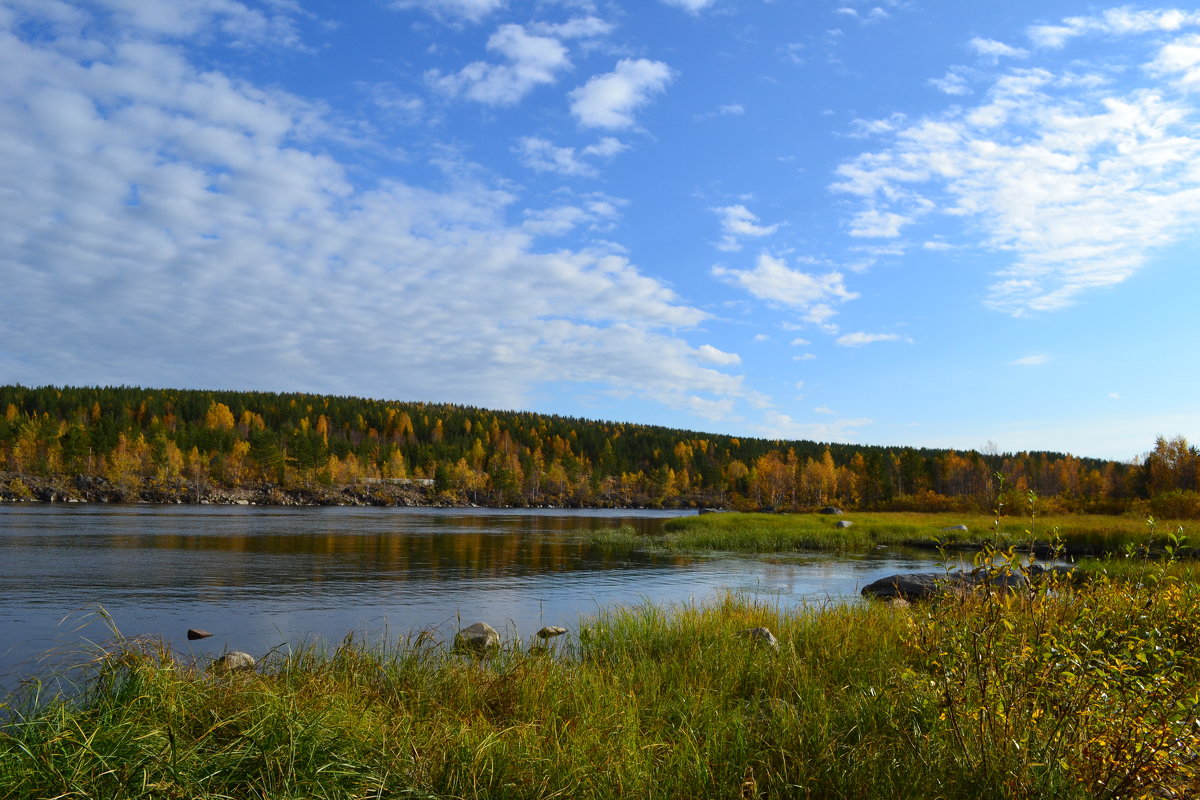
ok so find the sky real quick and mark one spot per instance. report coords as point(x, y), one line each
point(895, 222)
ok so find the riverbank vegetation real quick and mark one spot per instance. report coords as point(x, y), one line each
point(1055, 692)
point(1065, 534)
point(169, 445)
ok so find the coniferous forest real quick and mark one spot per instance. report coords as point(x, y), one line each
point(168, 445)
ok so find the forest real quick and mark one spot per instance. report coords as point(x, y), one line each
point(178, 445)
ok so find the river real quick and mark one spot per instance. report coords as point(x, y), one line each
point(260, 577)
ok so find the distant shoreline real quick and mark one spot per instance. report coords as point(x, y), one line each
point(82, 489)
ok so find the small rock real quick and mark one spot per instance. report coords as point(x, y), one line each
point(196, 633)
point(910, 586)
point(843, 523)
point(831, 510)
point(234, 660)
point(550, 631)
point(961, 528)
point(763, 635)
point(898, 602)
point(479, 636)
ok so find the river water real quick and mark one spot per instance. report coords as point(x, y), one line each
point(262, 577)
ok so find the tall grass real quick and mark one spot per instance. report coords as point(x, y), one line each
point(1056, 692)
point(1069, 534)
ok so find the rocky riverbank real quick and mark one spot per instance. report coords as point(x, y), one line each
point(22, 488)
point(16, 488)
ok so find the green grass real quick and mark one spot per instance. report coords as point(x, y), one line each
point(771, 533)
point(1055, 694)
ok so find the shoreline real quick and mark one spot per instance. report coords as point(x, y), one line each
point(82, 489)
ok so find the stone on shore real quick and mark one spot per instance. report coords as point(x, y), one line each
point(910, 586)
point(234, 661)
point(478, 637)
point(197, 633)
point(763, 635)
point(550, 631)
point(925, 585)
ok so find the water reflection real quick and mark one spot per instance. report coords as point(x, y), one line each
point(261, 577)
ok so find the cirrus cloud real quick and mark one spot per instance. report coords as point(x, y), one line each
point(1073, 179)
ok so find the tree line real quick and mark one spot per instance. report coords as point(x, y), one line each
point(171, 441)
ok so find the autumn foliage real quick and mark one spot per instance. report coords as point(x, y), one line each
point(167, 440)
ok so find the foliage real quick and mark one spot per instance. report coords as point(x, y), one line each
point(169, 444)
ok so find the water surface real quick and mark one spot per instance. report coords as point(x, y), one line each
point(261, 577)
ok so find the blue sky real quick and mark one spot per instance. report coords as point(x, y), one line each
point(894, 222)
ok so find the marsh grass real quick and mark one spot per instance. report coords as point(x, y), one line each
point(1058, 692)
point(772, 533)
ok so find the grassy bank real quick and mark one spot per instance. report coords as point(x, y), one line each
point(769, 533)
point(1068, 694)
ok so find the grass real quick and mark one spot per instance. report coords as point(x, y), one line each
point(771, 533)
point(1058, 693)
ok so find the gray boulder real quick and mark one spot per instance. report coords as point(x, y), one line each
point(910, 586)
point(763, 635)
point(550, 631)
point(831, 510)
point(234, 661)
point(478, 637)
point(958, 528)
point(843, 523)
point(925, 585)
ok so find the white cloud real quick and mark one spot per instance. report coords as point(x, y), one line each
point(1074, 180)
point(880, 224)
point(595, 212)
point(761, 337)
point(738, 222)
point(1180, 60)
point(954, 82)
point(1114, 22)
point(715, 356)
point(575, 28)
point(800, 342)
point(805, 357)
point(727, 110)
point(542, 155)
point(691, 6)
point(608, 101)
point(860, 338)
point(237, 23)
point(994, 50)
point(1115, 395)
point(532, 61)
point(168, 225)
point(775, 282)
point(1030, 361)
point(824, 410)
point(470, 10)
